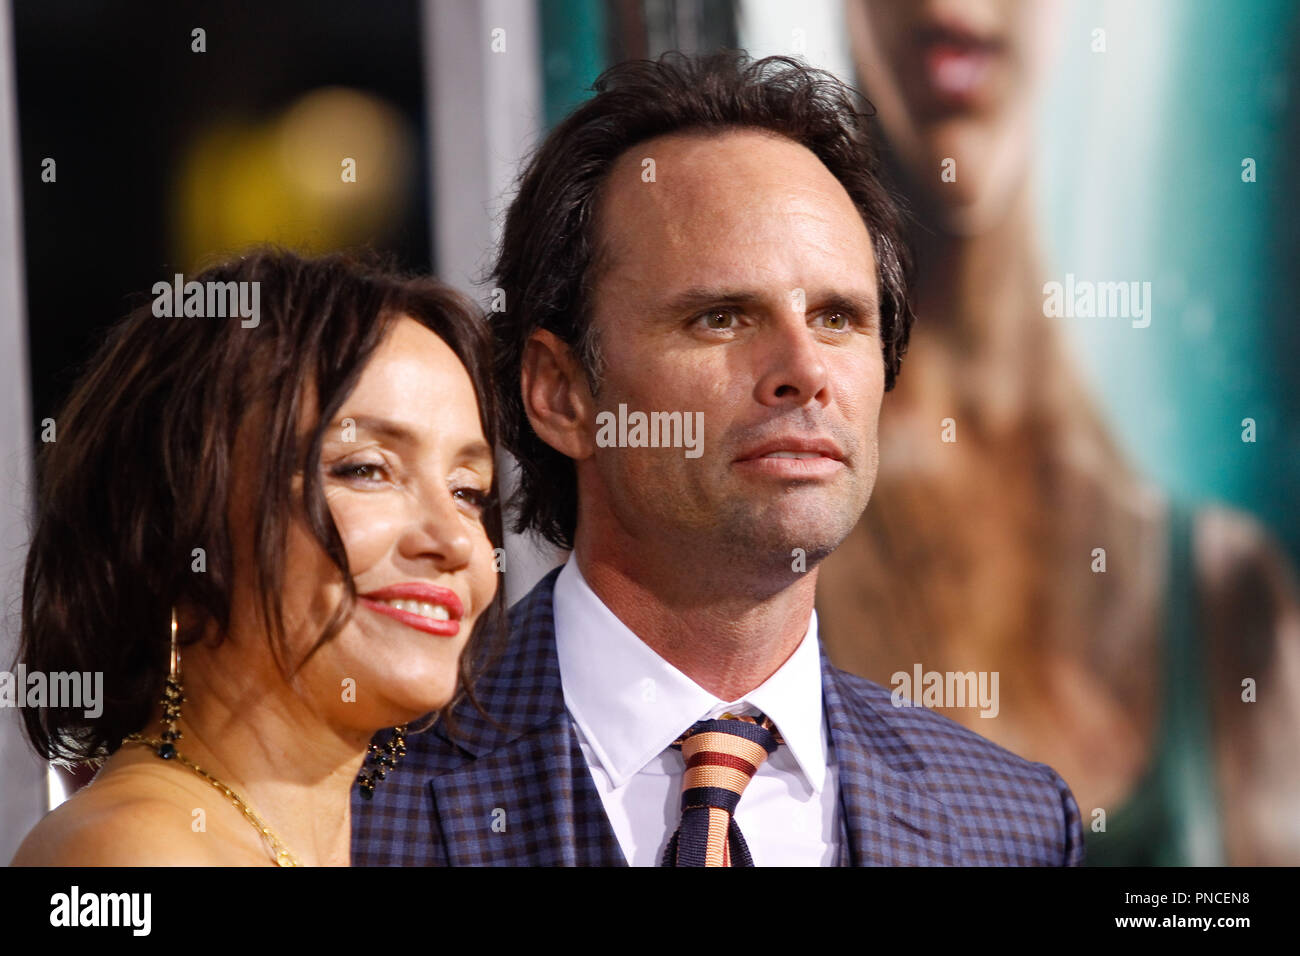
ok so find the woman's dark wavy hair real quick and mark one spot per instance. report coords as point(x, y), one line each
point(545, 261)
point(141, 471)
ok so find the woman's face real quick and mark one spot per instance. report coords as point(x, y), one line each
point(405, 469)
point(956, 80)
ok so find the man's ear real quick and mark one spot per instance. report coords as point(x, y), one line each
point(557, 396)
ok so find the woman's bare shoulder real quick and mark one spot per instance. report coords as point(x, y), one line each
point(130, 818)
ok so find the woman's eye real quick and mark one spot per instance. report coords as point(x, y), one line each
point(365, 472)
point(475, 497)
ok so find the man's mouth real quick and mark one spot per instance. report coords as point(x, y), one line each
point(793, 457)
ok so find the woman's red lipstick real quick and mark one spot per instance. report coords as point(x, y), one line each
point(423, 593)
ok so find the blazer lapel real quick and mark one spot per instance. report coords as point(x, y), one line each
point(888, 817)
point(526, 796)
point(531, 802)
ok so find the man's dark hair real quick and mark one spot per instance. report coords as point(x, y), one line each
point(545, 261)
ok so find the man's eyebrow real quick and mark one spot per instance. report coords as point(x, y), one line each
point(863, 305)
point(699, 297)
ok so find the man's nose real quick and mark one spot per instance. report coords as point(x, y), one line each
point(792, 362)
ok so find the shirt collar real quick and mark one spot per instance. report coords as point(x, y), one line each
point(632, 704)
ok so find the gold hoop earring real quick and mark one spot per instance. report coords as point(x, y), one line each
point(164, 745)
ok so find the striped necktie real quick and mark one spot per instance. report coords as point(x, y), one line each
point(722, 756)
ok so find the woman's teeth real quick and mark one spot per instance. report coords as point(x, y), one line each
point(435, 611)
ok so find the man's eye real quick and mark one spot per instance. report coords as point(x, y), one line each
point(836, 321)
point(364, 472)
point(720, 320)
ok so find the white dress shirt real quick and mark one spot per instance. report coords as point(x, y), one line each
point(629, 705)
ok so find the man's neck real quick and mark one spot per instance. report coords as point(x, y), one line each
point(726, 636)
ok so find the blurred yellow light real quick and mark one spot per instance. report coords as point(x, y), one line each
point(282, 181)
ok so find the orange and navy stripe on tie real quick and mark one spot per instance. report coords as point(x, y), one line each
point(721, 756)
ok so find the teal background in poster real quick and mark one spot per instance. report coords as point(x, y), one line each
point(1140, 178)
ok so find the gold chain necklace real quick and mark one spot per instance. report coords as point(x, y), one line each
point(280, 853)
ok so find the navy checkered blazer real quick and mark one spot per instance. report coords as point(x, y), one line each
point(916, 788)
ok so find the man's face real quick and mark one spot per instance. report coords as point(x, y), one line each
point(740, 283)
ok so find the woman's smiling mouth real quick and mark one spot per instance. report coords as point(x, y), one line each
point(418, 604)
